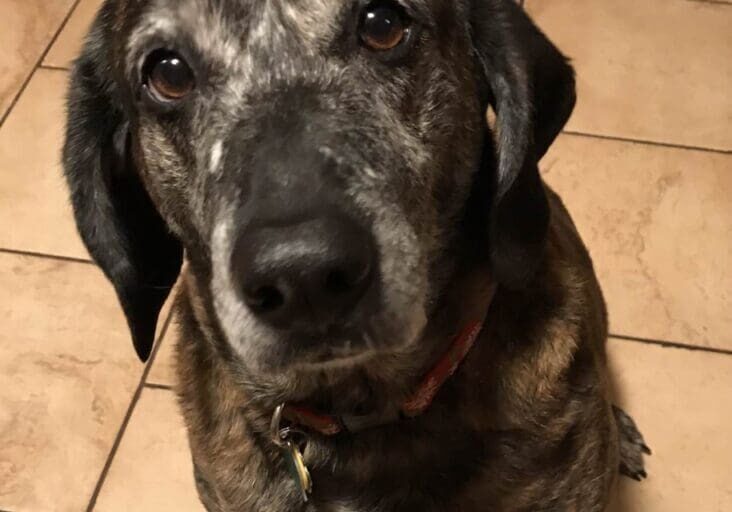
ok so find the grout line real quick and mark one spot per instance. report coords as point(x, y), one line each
point(151, 385)
point(648, 142)
point(713, 2)
point(53, 68)
point(32, 254)
point(672, 344)
point(128, 416)
point(27, 80)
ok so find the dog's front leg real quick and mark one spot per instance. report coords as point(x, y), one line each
point(632, 446)
point(205, 491)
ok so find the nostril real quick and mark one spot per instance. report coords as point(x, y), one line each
point(265, 299)
point(338, 282)
point(349, 276)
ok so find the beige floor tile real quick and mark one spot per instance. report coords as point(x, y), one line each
point(27, 29)
point(67, 46)
point(681, 401)
point(658, 222)
point(652, 69)
point(34, 207)
point(152, 470)
point(163, 371)
point(67, 374)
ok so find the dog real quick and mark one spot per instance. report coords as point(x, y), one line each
point(382, 307)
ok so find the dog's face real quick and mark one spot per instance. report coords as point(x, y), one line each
point(314, 158)
point(307, 149)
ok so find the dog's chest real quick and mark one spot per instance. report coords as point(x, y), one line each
point(401, 471)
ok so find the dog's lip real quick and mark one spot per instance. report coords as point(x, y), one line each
point(337, 347)
point(358, 350)
point(322, 362)
point(342, 347)
point(334, 340)
point(334, 348)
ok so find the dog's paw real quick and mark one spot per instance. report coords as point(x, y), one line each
point(632, 446)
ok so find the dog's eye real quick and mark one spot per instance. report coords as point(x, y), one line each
point(168, 76)
point(383, 26)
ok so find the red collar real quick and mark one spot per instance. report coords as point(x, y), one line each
point(415, 405)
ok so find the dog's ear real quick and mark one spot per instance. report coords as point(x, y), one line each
point(531, 86)
point(114, 214)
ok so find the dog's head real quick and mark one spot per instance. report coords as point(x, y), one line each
point(315, 159)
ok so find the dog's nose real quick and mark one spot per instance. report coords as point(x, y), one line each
point(306, 275)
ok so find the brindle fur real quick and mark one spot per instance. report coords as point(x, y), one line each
point(527, 423)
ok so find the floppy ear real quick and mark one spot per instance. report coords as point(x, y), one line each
point(532, 89)
point(114, 214)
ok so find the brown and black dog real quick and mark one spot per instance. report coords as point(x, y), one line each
point(350, 225)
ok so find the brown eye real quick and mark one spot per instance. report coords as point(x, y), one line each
point(168, 76)
point(383, 26)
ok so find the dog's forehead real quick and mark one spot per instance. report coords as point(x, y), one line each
point(224, 29)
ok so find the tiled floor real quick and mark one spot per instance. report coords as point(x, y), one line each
point(645, 167)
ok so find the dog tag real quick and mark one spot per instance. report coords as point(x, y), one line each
point(291, 453)
point(297, 468)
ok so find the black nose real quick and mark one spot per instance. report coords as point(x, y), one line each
point(306, 275)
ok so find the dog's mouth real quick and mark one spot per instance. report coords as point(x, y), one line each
point(340, 348)
point(331, 346)
point(335, 359)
